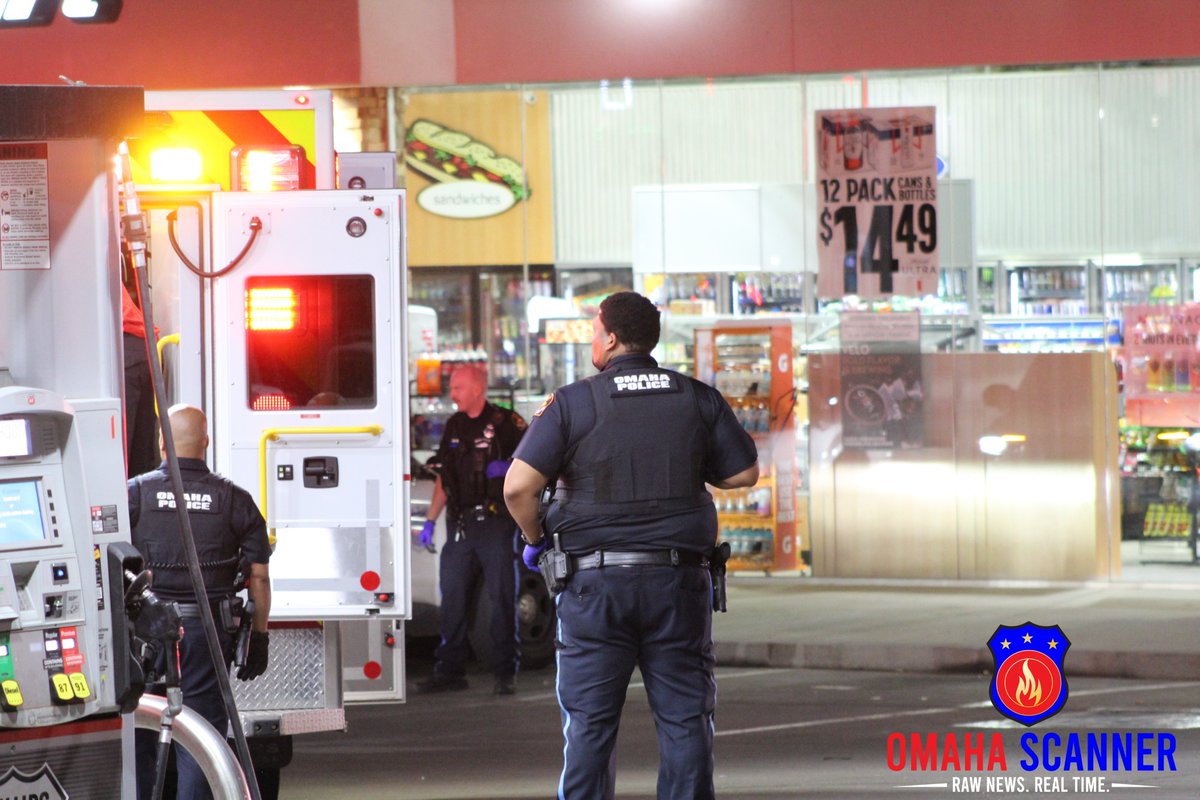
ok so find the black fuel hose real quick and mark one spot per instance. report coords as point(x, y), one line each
point(189, 542)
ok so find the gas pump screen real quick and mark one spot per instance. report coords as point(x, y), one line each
point(14, 438)
point(20, 513)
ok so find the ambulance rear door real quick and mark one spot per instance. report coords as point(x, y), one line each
point(310, 412)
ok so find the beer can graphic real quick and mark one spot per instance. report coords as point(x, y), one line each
point(827, 142)
point(852, 145)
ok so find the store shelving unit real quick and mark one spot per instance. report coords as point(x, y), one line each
point(1157, 483)
point(1043, 334)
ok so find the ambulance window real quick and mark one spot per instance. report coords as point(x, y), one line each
point(310, 342)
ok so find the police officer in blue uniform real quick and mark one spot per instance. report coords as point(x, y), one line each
point(632, 449)
point(229, 532)
point(475, 453)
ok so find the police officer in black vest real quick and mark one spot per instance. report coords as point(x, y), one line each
point(475, 453)
point(229, 532)
point(632, 449)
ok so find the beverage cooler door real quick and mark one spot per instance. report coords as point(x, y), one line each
point(510, 348)
point(1140, 284)
point(765, 525)
point(1060, 290)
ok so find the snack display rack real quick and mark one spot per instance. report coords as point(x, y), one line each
point(750, 363)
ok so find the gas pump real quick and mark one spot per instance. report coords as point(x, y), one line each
point(74, 599)
point(69, 679)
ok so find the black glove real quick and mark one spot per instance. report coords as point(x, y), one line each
point(256, 657)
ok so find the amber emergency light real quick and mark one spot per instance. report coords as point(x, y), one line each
point(266, 169)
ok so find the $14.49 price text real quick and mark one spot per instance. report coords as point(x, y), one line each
point(913, 229)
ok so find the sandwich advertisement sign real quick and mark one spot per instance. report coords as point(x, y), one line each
point(477, 171)
point(877, 232)
point(470, 180)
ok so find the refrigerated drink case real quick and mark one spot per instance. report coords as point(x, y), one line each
point(751, 365)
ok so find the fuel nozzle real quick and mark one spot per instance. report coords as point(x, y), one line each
point(157, 624)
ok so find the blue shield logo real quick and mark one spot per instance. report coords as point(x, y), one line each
point(1028, 683)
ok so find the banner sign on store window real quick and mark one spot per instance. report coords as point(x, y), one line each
point(882, 398)
point(877, 202)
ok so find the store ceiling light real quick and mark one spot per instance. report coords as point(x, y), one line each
point(32, 13)
point(611, 100)
point(91, 11)
point(23, 13)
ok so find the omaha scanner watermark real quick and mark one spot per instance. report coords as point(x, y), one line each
point(1029, 686)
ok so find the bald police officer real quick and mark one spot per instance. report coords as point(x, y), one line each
point(228, 530)
point(632, 449)
point(475, 452)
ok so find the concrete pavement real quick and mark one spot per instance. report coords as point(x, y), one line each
point(1120, 630)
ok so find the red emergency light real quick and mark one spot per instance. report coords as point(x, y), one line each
point(267, 169)
point(271, 402)
point(271, 308)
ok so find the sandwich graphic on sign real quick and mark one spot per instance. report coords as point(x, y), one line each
point(445, 156)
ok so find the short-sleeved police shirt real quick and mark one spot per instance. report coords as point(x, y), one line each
point(569, 414)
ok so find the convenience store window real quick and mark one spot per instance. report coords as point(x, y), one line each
point(1065, 194)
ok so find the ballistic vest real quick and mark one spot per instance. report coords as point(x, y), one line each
point(646, 452)
point(209, 500)
point(464, 470)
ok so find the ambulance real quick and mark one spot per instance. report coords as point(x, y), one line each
point(284, 314)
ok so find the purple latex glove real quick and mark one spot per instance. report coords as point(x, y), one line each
point(532, 553)
point(497, 469)
point(426, 537)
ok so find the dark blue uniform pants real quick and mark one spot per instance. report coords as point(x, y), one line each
point(659, 619)
point(487, 548)
point(202, 694)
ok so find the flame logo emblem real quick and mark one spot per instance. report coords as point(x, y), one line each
point(1028, 684)
point(1029, 691)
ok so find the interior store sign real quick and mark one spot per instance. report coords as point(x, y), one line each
point(1162, 350)
point(877, 202)
point(882, 399)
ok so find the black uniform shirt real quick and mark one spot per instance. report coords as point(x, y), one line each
point(570, 413)
point(463, 488)
point(246, 529)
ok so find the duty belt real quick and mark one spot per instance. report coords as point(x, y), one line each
point(479, 511)
point(652, 558)
point(224, 610)
point(192, 610)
